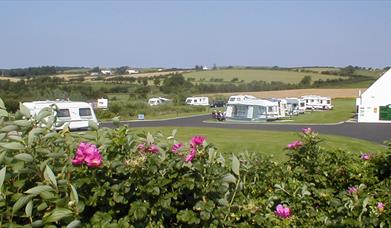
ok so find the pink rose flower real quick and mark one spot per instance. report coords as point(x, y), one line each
point(307, 130)
point(153, 149)
point(197, 140)
point(176, 147)
point(380, 207)
point(295, 145)
point(365, 157)
point(191, 155)
point(282, 211)
point(141, 147)
point(352, 190)
point(87, 153)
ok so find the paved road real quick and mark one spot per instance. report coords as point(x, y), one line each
point(372, 132)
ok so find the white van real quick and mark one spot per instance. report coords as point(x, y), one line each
point(203, 101)
point(76, 113)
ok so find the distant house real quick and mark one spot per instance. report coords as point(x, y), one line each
point(106, 72)
point(94, 73)
point(205, 68)
point(374, 105)
point(132, 71)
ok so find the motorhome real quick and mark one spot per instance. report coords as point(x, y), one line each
point(76, 114)
point(252, 110)
point(157, 101)
point(239, 98)
point(295, 106)
point(317, 102)
point(203, 101)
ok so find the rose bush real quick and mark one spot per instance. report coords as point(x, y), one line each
point(117, 178)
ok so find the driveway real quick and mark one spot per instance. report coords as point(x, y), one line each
point(377, 133)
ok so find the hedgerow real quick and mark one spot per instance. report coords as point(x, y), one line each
point(117, 178)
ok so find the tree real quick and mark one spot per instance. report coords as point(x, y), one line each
point(306, 80)
point(175, 83)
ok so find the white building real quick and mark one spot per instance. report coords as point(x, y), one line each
point(317, 102)
point(374, 105)
point(106, 72)
point(131, 71)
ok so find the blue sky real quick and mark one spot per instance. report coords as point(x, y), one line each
point(188, 33)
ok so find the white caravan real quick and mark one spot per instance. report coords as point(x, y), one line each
point(203, 101)
point(253, 110)
point(76, 113)
point(157, 101)
point(239, 98)
point(317, 102)
point(282, 107)
point(295, 106)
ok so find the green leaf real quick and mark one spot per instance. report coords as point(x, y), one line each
point(188, 217)
point(3, 113)
point(2, 177)
point(15, 138)
point(29, 208)
point(21, 202)
point(150, 139)
point(2, 136)
point(93, 125)
point(22, 123)
point(37, 223)
point(12, 146)
point(2, 106)
point(38, 189)
point(2, 156)
point(74, 195)
point(24, 110)
point(229, 178)
point(74, 224)
point(24, 157)
point(9, 128)
point(49, 176)
point(45, 112)
point(235, 165)
point(58, 214)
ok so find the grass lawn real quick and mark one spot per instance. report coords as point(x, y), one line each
point(344, 109)
point(272, 143)
point(249, 75)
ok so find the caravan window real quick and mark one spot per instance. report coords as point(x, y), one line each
point(63, 113)
point(232, 99)
point(328, 101)
point(85, 112)
point(270, 109)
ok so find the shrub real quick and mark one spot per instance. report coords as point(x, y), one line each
point(116, 178)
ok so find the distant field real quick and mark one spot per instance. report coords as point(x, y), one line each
point(372, 73)
point(249, 75)
point(333, 93)
point(320, 69)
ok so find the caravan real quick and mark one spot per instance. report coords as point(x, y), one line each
point(157, 101)
point(239, 98)
point(253, 110)
point(76, 114)
point(295, 106)
point(203, 101)
point(317, 102)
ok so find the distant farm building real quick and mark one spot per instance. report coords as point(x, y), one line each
point(106, 72)
point(374, 105)
point(131, 71)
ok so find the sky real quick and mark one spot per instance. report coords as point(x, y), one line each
point(188, 33)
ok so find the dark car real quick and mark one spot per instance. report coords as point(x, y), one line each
point(217, 104)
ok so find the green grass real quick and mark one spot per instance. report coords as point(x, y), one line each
point(229, 141)
point(320, 69)
point(375, 73)
point(343, 110)
point(249, 75)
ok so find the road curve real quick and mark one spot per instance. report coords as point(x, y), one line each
point(377, 133)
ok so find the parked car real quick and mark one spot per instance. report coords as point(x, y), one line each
point(217, 104)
